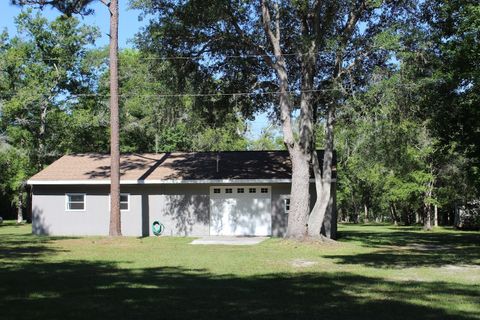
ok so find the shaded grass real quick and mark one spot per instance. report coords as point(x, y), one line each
point(131, 278)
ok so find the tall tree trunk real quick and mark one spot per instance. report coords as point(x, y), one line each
point(299, 196)
point(20, 207)
point(435, 214)
point(115, 217)
point(323, 180)
point(427, 208)
point(41, 135)
point(300, 193)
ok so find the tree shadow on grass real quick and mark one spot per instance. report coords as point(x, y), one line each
point(99, 290)
point(406, 247)
point(17, 246)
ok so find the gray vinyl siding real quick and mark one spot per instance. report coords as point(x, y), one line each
point(183, 209)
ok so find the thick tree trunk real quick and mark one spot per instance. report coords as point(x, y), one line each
point(300, 195)
point(115, 218)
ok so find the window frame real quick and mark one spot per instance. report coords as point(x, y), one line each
point(286, 202)
point(67, 202)
point(121, 210)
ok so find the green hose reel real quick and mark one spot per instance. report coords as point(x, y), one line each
point(157, 228)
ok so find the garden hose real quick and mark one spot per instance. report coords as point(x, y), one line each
point(157, 228)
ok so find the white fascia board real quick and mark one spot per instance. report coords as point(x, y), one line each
point(172, 181)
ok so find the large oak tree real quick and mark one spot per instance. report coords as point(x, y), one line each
point(313, 54)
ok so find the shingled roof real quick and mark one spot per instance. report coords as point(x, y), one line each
point(169, 167)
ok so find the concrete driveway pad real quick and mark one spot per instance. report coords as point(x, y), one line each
point(231, 241)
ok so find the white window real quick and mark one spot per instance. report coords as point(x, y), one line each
point(287, 205)
point(125, 201)
point(264, 190)
point(216, 190)
point(228, 190)
point(75, 201)
point(240, 190)
point(252, 190)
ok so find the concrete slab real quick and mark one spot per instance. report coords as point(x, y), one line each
point(231, 241)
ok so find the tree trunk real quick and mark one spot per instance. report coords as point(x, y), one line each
point(300, 195)
point(323, 181)
point(435, 219)
point(365, 209)
point(115, 218)
point(20, 207)
point(417, 217)
point(427, 221)
point(41, 135)
point(427, 207)
point(393, 212)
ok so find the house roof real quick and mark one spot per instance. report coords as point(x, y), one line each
point(176, 167)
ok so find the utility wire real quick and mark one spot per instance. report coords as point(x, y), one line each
point(200, 57)
point(179, 95)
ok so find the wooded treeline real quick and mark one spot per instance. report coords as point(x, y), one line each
point(403, 83)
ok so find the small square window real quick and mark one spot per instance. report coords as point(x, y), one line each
point(228, 190)
point(287, 205)
point(240, 190)
point(264, 190)
point(124, 203)
point(75, 202)
point(216, 190)
point(252, 190)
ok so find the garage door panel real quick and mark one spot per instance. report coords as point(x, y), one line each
point(237, 214)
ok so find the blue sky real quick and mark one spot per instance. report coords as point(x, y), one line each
point(129, 20)
point(129, 25)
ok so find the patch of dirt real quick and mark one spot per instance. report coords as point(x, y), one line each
point(461, 267)
point(302, 263)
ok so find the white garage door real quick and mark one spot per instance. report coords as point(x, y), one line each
point(240, 211)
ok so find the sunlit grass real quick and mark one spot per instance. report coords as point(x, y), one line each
point(372, 272)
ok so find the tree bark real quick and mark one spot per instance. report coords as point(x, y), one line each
point(20, 207)
point(427, 207)
point(365, 209)
point(435, 219)
point(41, 135)
point(393, 212)
point(323, 180)
point(115, 217)
point(300, 193)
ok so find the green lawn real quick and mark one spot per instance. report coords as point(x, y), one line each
point(372, 272)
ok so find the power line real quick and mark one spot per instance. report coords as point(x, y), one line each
point(166, 58)
point(180, 95)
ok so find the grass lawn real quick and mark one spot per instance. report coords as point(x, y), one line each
point(372, 272)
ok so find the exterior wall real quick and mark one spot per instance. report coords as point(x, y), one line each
point(184, 210)
point(49, 215)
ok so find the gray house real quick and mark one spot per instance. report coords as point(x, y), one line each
point(191, 194)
